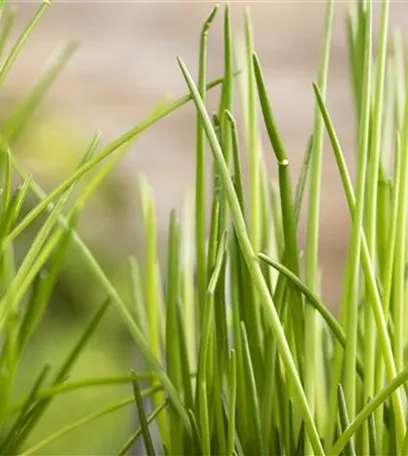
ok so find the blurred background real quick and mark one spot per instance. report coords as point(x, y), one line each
point(124, 65)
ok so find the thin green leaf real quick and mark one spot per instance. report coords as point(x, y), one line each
point(344, 420)
point(143, 420)
point(21, 40)
point(200, 170)
point(132, 439)
point(253, 267)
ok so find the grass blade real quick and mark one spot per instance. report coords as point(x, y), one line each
point(21, 40)
point(200, 170)
point(344, 420)
point(253, 267)
point(143, 420)
point(288, 221)
point(312, 243)
point(370, 278)
point(132, 439)
point(363, 415)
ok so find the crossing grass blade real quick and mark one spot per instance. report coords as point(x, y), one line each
point(255, 272)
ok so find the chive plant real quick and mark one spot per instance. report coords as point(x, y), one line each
point(241, 354)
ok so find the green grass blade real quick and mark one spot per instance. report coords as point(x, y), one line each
point(156, 115)
point(7, 179)
point(314, 300)
point(304, 173)
point(257, 441)
point(363, 415)
point(137, 294)
point(388, 272)
point(238, 181)
point(353, 261)
point(372, 438)
point(227, 86)
point(21, 40)
point(175, 443)
point(120, 306)
point(67, 387)
point(18, 119)
point(42, 290)
point(399, 289)
point(15, 291)
point(253, 139)
point(7, 23)
point(232, 404)
point(78, 348)
point(200, 170)
point(219, 261)
point(288, 220)
point(13, 440)
point(312, 243)
point(65, 369)
point(196, 442)
point(152, 287)
point(254, 269)
point(370, 278)
point(143, 420)
point(280, 289)
point(344, 420)
point(132, 439)
point(185, 365)
point(370, 208)
point(82, 422)
point(44, 243)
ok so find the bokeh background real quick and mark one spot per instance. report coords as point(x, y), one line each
point(125, 63)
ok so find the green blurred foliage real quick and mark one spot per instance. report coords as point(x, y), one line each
point(51, 151)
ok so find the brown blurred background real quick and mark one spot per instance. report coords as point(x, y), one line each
point(127, 61)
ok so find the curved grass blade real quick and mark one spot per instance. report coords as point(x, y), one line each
point(314, 300)
point(374, 295)
point(196, 440)
point(253, 267)
point(38, 411)
point(67, 387)
point(363, 415)
point(21, 40)
point(157, 114)
point(120, 306)
point(43, 245)
point(83, 421)
point(42, 290)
